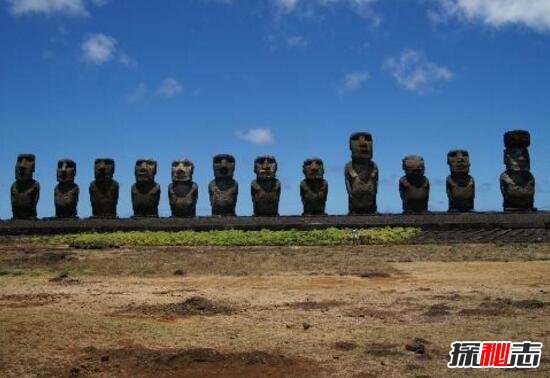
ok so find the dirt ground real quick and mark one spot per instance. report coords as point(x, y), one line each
point(266, 311)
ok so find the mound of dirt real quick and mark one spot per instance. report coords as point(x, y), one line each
point(383, 350)
point(344, 345)
point(200, 362)
point(97, 244)
point(63, 278)
point(529, 304)
point(374, 274)
point(502, 307)
point(196, 305)
point(417, 345)
point(30, 300)
point(439, 309)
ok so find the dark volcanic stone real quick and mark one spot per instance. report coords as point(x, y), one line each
point(104, 190)
point(314, 188)
point(414, 187)
point(361, 175)
point(25, 191)
point(183, 192)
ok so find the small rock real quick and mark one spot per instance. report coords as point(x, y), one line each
point(179, 272)
point(306, 325)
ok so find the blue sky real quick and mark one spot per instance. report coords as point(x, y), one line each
point(171, 79)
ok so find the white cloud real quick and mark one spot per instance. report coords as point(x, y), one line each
point(137, 94)
point(297, 41)
point(286, 6)
point(534, 14)
point(125, 60)
point(169, 87)
point(354, 81)
point(99, 48)
point(307, 7)
point(414, 72)
point(68, 7)
point(256, 136)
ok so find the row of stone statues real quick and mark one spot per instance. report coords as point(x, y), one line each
point(361, 176)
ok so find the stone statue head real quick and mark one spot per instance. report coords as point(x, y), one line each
point(265, 167)
point(360, 145)
point(182, 170)
point(24, 167)
point(66, 171)
point(516, 154)
point(413, 166)
point(145, 170)
point(313, 169)
point(224, 166)
point(517, 159)
point(104, 169)
point(517, 139)
point(459, 161)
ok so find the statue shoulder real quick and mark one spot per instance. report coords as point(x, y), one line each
point(349, 171)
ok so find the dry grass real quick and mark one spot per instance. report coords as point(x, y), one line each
point(362, 306)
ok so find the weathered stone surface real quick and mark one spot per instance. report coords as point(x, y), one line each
point(104, 190)
point(223, 190)
point(460, 185)
point(414, 187)
point(266, 188)
point(517, 184)
point(183, 193)
point(67, 191)
point(361, 175)
point(314, 188)
point(145, 192)
point(25, 191)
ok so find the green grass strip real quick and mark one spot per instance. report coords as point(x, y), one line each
point(329, 236)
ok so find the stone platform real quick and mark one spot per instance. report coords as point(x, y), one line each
point(426, 221)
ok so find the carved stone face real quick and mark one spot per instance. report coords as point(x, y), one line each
point(145, 170)
point(360, 145)
point(265, 167)
point(182, 170)
point(104, 169)
point(24, 167)
point(413, 166)
point(517, 159)
point(224, 166)
point(66, 171)
point(459, 161)
point(313, 169)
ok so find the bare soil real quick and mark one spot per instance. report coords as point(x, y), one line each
point(359, 311)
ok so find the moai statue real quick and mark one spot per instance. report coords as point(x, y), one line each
point(223, 190)
point(517, 184)
point(145, 192)
point(67, 191)
point(461, 187)
point(314, 188)
point(183, 192)
point(266, 188)
point(414, 187)
point(361, 175)
point(25, 191)
point(104, 190)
